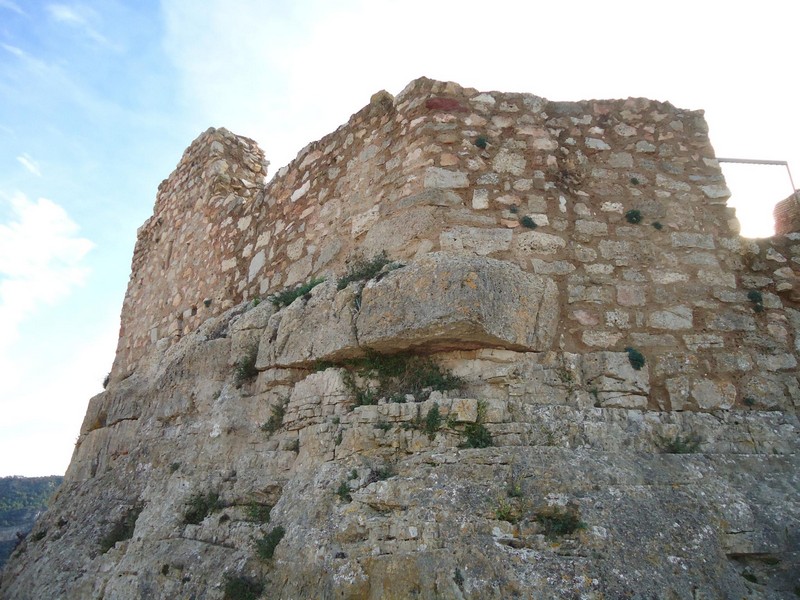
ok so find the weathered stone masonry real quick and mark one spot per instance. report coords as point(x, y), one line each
point(682, 469)
point(443, 168)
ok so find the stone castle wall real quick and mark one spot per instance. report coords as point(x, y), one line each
point(787, 215)
point(444, 168)
point(679, 474)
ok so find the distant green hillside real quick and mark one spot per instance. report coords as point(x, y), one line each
point(21, 500)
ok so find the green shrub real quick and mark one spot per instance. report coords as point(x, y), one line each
point(265, 547)
point(246, 367)
point(680, 444)
point(557, 521)
point(477, 436)
point(636, 358)
point(239, 587)
point(514, 488)
point(363, 270)
point(260, 513)
point(481, 142)
point(200, 506)
point(343, 491)
point(433, 421)
point(634, 181)
point(757, 299)
point(122, 529)
point(633, 216)
point(276, 418)
point(507, 511)
point(458, 578)
point(381, 473)
point(528, 222)
point(394, 376)
point(289, 295)
point(657, 225)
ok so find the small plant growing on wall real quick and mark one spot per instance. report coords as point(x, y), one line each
point(276, 418)
point(505, 510)
point(343, 491)
point(635, 357)
point(634, 181)
point(528, 222)
point(657, 225)
point(633, 216)
point(265, 547)
point(289, 295)
point(757, 299)
point(246, 367)
point(476, 435)
point(239, 587)
point(363, 270)
point(200, 506)
point(395, 377)
point(557, 521)
point(680, 444)
point(433, 421)
point(259, 513)
point(481, 142)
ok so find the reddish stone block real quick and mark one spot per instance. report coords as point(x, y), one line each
point(444, 104)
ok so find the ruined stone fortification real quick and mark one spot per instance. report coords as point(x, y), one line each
point(626, 361)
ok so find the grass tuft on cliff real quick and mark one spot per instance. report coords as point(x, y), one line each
point(246, 367)
point(396, 376)
point(200, 506)
point(289, 295)
point(363, 270)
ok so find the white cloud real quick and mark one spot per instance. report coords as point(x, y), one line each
point(42, 415)
point(13, 50)
point(33, 167)
point(41, 261)
point(11, 6)
point(78, 17)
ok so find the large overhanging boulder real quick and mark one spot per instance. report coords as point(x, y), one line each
point(438, 302)
point(445, 301)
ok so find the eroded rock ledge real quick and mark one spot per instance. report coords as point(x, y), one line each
point(435, 303)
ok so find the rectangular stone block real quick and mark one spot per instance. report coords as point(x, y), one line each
point(441, 300)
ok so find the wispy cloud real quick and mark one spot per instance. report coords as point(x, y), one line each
point(8, 4)
point(41, 261)
point(13, 49)
point(26, 161)
point(79, 17)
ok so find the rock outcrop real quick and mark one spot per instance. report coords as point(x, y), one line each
point(567, 377)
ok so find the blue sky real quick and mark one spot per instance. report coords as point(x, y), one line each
point(98, 100)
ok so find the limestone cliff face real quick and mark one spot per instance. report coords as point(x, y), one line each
point(567, 377)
